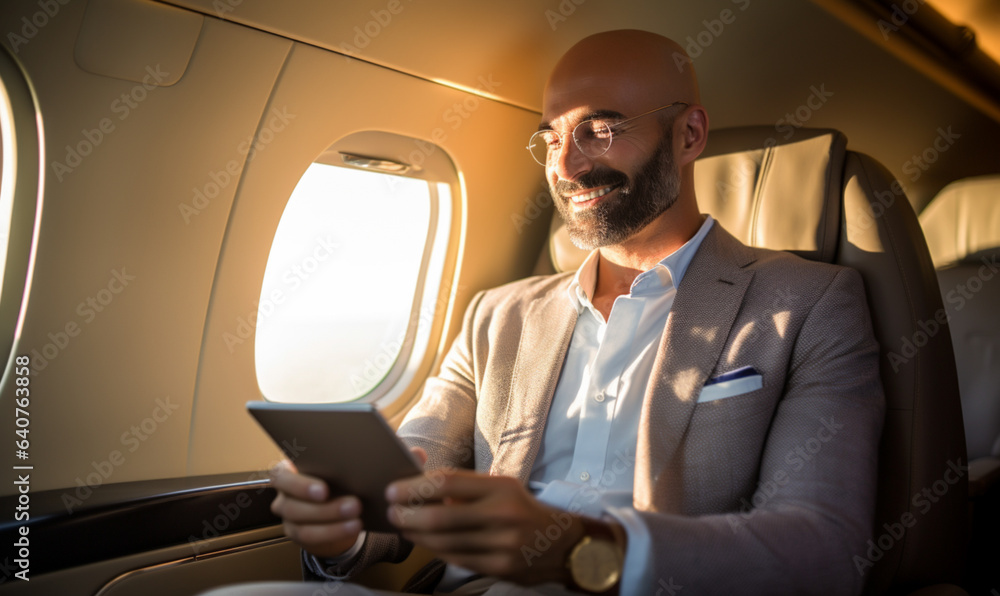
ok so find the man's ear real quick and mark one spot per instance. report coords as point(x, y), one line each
point(692, 129)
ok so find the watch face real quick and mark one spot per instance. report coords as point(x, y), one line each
point(596, 564)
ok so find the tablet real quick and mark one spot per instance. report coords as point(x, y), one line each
point(350, 446)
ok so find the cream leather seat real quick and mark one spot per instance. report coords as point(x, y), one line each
point(811, 196)
point(962, 225)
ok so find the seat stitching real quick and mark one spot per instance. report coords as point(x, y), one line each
point(758, 196)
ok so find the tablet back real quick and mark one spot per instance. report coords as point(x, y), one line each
point(350, 446)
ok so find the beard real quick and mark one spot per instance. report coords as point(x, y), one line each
point(639, 201)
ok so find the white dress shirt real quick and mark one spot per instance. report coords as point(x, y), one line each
point(593, 424)
point(586, 463)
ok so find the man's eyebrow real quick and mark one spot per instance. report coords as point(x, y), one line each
point(589, 116)
point(604, 114)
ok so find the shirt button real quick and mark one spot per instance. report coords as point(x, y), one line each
point(599, 397)
point(585, 476)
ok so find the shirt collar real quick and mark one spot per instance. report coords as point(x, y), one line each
point(661, 277)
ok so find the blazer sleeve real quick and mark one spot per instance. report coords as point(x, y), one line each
point(443, 421)
point(813, 509)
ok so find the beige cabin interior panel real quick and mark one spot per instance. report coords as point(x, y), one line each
point(758, 63)
point(122, 280)
point(157, 224)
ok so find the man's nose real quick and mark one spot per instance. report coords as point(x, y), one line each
point(569, 163)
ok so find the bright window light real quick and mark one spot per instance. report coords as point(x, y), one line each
point(343, 282)
point(8, 166)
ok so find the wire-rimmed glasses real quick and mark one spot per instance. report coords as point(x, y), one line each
point(592, 137)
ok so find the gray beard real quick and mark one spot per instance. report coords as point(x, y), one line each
point(638, 202)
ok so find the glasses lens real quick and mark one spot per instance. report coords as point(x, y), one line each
point(542, 144)
point(593, 137)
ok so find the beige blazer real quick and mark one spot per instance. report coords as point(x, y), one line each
point(768, 491)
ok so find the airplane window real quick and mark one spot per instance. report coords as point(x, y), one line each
point(350, 284)
point(6, 175)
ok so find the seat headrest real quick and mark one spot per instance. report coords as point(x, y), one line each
point(768, 192)
point(962, 223)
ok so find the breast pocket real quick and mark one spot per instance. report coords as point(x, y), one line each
point(730, 388)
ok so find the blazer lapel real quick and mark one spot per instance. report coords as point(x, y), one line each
point(545, 338)
point(704, 310)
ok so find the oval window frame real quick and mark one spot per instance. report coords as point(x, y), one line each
point(23, 181)
point(399, 155)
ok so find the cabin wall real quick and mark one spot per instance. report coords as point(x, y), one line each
point(156, 225)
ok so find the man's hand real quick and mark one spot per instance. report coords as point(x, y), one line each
point(488, 524)
point(322, 526)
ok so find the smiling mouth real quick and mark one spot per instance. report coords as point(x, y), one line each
point(592, 195)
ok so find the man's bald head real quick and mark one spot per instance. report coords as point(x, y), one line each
point(638, 64)
point(638, 189)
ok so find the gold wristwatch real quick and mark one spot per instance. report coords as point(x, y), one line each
point(596, 561)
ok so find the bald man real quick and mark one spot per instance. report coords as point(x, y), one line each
point(610, 430)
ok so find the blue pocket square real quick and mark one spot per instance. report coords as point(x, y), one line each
point(730, 384)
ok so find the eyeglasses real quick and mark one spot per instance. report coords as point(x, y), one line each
point(592, 137)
